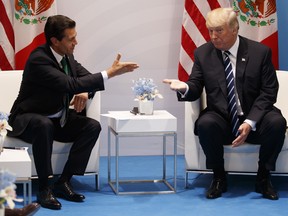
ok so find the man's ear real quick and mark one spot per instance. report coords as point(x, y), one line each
point(54, 41)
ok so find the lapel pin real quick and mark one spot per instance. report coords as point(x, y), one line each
point(243, 59)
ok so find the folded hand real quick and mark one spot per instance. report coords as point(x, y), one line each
point(79, 101)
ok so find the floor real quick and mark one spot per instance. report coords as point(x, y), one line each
point(240, 199)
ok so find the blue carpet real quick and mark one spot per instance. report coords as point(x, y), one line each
point(239, 200)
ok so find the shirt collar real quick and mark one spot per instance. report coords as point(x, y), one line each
point(233, 50)
point(57, 56)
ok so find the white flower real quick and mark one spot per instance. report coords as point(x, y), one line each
point(145, 89)
point(4, 126)
point(7, 189)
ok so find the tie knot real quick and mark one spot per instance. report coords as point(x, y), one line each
point(63, 61)
point(64, 64)
point(226, 52)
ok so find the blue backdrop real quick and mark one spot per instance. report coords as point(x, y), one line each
point(282, 6)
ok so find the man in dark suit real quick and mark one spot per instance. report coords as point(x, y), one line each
point(255, 90)
point(40, 113)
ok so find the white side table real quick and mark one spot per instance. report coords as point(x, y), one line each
point(126, 124)
point(18, 162)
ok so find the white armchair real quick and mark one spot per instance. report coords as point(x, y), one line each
point(243, 159)
point(9, 87)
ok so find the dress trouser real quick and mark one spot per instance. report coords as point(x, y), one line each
point(214, 132)
point(42, 131)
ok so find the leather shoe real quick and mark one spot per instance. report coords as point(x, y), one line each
point(47, 199)
point(217, 187)
point(264, 186)
point(65, 190)
point(27, 210)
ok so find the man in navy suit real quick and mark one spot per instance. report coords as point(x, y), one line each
point(39, 114)
point(256, 88)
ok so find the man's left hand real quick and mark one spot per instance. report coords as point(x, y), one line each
point(244, 131)
point(79, 101)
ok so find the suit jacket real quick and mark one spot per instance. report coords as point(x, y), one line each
point(256, 80)
point(44, 85)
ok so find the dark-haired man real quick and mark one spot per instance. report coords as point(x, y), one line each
point(51, 78)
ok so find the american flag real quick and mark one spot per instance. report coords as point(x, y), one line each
point(194, 31)
point(7, 42)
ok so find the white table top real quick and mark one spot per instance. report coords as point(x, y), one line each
point(14, 155)
point(125, 121)
point(16, 161)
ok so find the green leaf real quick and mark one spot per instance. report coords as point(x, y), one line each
point(17, 16)
point(43, 18)
point(243, 18)
point(263, 23)
point(253, 23)
point(26, 21)
point(34, 21)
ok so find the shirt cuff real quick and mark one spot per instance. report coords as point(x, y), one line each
point(183, 95)
point(251, 123)
point(104, 75)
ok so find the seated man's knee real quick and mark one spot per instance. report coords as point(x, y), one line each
point(278, 124)
point(94, 125)
point(205, 124)
point(42, 124)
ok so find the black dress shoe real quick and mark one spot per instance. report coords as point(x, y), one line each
point(47, 199)
point(265, 187)
point(217, 187)
point(65, 190)
point(27, 210)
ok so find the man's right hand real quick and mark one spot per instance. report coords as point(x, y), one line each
point(119, 68)
point(176, 85)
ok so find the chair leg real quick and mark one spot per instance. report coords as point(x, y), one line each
point(186, 178)
point(97, 182)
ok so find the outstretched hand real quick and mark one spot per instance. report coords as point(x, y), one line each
point(175, 84)
point(119, 67)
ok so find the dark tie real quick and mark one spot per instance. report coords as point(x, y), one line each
point(64, 116)
point(232, 108)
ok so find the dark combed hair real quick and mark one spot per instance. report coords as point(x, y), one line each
point(56, 25)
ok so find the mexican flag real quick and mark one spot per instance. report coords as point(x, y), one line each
point(258, 21)
point(29, 21)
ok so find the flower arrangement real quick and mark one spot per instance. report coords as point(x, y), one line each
point(4, 126)
point(7, 189)
point(145, 89)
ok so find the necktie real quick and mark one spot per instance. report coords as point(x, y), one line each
point(64, 116)
point(231, 94)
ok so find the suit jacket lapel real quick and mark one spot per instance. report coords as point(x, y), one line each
point(242, 59)
point(219, 68)
point(50, 54)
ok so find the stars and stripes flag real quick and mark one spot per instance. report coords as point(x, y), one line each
point(29, 21)
point(7, 43)
point(257, 20)
point(194, 31)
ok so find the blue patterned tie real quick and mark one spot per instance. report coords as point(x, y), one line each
point(64, 116)
point(231, 94)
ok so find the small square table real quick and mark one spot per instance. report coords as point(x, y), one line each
point(18, 162)
point(126, 124)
